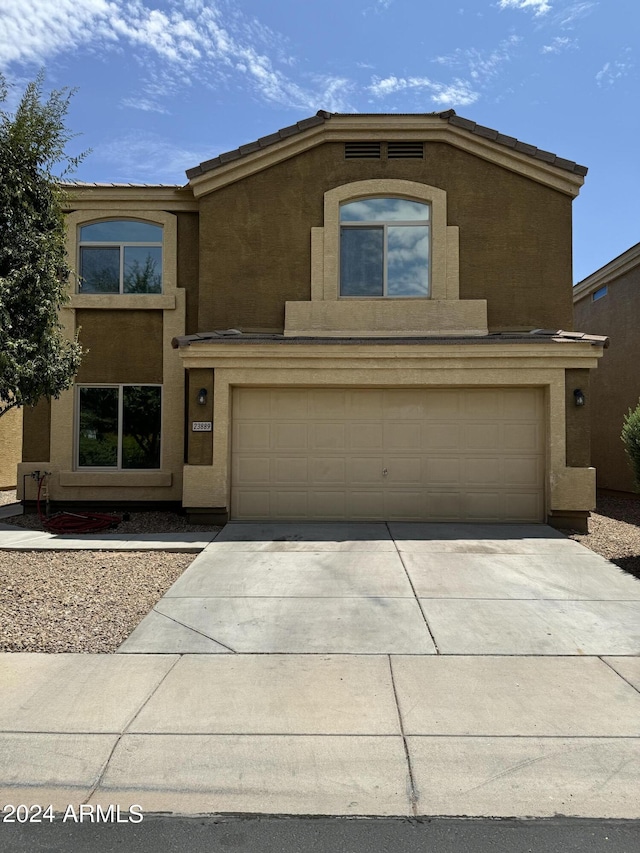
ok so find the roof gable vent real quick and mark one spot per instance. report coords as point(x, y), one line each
point(405, 150)
point(362, 150)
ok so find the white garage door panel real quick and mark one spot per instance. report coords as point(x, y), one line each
point(414, 454)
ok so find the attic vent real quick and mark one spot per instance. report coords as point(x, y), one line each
point(362, 150)
point(406, 150)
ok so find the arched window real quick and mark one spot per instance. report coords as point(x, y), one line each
point(384, 248)
point(120, 256)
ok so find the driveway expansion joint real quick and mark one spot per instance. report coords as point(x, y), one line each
point(195, 630)
point(414, 795)
point(611, 666)
point(413, 589)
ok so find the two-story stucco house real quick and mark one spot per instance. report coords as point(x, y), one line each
point(356, 317)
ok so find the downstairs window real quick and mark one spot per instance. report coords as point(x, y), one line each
point(119, 426)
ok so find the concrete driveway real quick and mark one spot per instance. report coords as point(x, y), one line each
point(350, 670)
point(395, 589)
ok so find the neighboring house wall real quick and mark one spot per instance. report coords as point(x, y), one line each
point(515, 237)
point(10, 447)
point(615, 386)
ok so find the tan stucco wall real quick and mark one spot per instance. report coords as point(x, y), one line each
point(615, 385)
point(10, 447)
point(255, 237)
point(386, 318)
point(200, 450)
point(123, 346)
point(188, 267)
point(578, 418)
point(36, 432)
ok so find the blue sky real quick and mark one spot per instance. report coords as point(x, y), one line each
point(164, 84)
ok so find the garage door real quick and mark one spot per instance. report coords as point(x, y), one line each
point(454, 454)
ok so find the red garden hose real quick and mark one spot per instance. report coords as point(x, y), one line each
point(71, 522)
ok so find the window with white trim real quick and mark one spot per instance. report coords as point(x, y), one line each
point(119, 427)
point(599, 293)
point(384, 248)
point(120, 256)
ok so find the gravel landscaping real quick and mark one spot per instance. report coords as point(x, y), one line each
point(79, 601)
point(137, 522)
point(90, 601)
point(614, 532)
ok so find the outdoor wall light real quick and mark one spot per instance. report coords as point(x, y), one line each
point(578, 397)
point(202, 397)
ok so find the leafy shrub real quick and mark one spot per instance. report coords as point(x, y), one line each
point(631, 438)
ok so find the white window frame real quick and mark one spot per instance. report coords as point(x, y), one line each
point(114, 244)
point(600, 293)
point(120, 386)
point(383, 225)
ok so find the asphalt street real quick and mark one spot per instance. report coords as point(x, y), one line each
point(264, 834)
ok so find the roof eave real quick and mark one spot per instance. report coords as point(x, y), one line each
point(619, 266)
point(519, 158)
point(536, 336)
point(81, 196)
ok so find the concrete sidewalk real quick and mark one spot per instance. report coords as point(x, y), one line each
point(323, 734)
point(500, 677)
point(13, 538)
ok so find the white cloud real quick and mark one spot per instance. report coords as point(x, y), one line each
point(141, 155)
point(459, 92)
point(477, 70)
point(34, 30)
point(143, 104)
point(190, 41)
point(481, 65)
point(539, 7)
point(390, 85)
point(378, 7)
point(611, 72)
point(557, 45)
point(333, 93)
point(566, 17)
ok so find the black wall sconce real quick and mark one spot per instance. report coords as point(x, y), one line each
point(202, 396)
point(578, 397)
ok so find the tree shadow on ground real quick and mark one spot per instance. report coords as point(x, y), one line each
point(631, 565)
point(620, 509)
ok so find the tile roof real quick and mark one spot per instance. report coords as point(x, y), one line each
point(449, 116)
point(118, 184)
point(535, 336)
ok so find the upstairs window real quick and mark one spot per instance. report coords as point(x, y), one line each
point(384, 248)
point(120, 256)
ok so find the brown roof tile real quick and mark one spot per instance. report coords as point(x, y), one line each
point(537, 336)
point(82, 184)
point(447, 115)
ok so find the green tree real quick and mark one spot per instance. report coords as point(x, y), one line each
point(35, 359)
point(631, 438)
